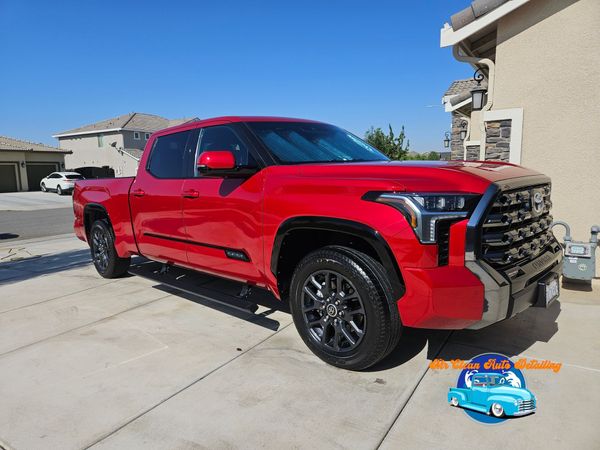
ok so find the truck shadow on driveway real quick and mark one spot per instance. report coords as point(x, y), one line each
point(252, 304)
point(31, 267)
point(510, 337)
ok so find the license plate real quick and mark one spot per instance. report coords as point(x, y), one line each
point(551, 291)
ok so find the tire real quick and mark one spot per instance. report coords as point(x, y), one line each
point(43, 186)
point(352, 331)
point(104, 255)
point(59, 190)
point(497, 410)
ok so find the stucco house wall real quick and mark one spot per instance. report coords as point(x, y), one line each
point(548, 64)
point(86, 152)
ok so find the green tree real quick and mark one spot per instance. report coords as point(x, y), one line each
point(429, 156)
point(389, 144)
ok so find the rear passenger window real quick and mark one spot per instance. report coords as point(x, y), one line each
point(167, 157)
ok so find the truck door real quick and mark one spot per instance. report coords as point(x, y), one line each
point(479, 391)
point(156, 201)
point(223, 216)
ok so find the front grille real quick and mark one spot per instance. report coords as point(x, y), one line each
point(443, 240)
point(526, 405)
point(517, 227)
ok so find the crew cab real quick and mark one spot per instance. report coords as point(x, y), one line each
point(492, 393)
point(360, 246)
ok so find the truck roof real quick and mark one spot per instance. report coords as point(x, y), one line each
point(231, 119)
point(488, 374)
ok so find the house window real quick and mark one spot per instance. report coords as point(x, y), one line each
point(100, 140)
point(136, 135)
point(146, 136)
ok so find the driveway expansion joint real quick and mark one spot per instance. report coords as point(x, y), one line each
point(414, 389)
point(203, 377)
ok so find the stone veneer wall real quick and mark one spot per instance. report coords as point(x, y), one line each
point(497, 140)
point(456, 144)
point(472, 153)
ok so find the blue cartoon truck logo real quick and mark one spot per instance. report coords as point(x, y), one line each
point(497, 394)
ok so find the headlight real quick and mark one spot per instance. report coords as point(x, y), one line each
point(424, 210)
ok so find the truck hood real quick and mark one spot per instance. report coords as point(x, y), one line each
point(460, 176)
point(518, 393)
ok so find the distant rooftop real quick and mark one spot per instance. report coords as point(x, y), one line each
point(460, 86)
point(19, 145)
point(130, 122)
point(460, 90)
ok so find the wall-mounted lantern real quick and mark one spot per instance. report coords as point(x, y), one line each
point(62, 165)
point(478, 92)
point(463, 130)
point(22, 164)
point(447, 139)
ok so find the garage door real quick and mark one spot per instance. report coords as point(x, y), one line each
point(8, 178)
point(37, 171)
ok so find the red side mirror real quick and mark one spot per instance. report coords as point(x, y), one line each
point(216, 160)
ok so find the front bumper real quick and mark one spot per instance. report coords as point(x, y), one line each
point(468, 292)
point(504, 297)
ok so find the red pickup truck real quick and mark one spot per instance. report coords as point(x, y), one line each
point(360, 246)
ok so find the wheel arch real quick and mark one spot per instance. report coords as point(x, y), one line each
point(461, 396)
point(93, 212)
point(290, 242)
point(507, 403)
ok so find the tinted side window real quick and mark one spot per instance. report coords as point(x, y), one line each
point(222, 137)
point(167, 157)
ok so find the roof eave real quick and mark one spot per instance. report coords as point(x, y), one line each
point(449, 107)
point(449, 37)
point(81, 133)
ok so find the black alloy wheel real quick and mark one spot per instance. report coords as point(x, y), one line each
point(100, 249)
point(344, 308)
point(104, 255)
point(333, 311)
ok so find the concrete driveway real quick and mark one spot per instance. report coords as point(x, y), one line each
point(128, 363)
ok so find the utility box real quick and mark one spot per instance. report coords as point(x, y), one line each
point(580, 257)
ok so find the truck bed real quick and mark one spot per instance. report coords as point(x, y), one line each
point(112, 194)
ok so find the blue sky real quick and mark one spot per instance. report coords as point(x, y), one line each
point(351, 63)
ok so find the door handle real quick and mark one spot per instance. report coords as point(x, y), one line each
point(139, 193)
point(190, 194)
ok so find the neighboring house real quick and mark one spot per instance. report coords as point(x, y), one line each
point(541, 65)
point(23, 164)
point(116, 143)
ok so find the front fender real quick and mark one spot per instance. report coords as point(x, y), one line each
point(507, 402)
point(461, 396)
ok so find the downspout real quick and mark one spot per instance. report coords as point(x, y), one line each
point(490, 93)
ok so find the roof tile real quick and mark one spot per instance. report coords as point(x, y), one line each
point(19, 145)
point(133, 121)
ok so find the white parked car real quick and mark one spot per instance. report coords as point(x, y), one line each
point(61, 182)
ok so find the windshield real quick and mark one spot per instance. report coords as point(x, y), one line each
point(73, 177)
point(492, 380)
point(300, 142)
